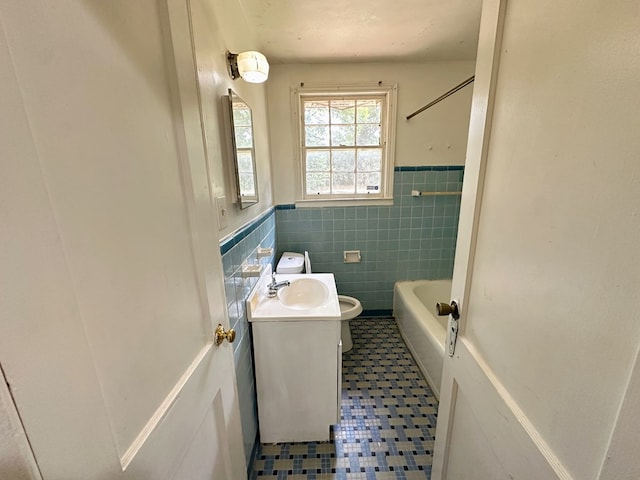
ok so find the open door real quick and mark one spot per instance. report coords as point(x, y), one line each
point(538, 386)
point(111, 281)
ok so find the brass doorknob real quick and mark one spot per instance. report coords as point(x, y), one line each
point(445, 309)
point(220, 335)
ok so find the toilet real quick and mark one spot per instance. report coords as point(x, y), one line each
point(350, 307)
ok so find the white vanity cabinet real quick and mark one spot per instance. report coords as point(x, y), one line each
point(298, 357)
point(298, 379)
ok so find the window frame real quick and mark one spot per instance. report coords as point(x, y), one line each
point(388, 94)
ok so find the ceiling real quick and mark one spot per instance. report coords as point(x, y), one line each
point(322, 31)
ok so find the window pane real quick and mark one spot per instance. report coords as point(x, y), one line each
point(317, 183)
point(369, 159)
point(343, 135)
point(316, 112)
point(317, 160)
point(244, 137)
point(343, 160)
point(247, 187)
point(369, 111)
point(344, 183)
point(368, 134)
point(317, 136)
point(368, 183)
point(241, 115)
point(245, 161)
point(343, 111)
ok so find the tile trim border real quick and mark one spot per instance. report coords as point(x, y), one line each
point(429, 168)
point(286, 206)
point(416, 168)
point(235, 238)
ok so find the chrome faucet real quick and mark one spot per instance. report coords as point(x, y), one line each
point(275, 286)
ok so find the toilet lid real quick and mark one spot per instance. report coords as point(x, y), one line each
point(307, 262)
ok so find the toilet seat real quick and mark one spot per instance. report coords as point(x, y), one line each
point(350, 307)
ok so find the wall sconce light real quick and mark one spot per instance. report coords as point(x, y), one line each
point(251, 66)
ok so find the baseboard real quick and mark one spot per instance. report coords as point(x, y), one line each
point(376, 313)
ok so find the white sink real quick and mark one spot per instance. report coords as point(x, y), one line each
point(309, 297)
point(304, 293)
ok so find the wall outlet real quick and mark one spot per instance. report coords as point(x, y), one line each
point(221, 207)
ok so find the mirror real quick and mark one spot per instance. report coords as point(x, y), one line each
point(242, 150)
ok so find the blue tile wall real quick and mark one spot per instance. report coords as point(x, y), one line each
point(413, 239)
point(236, 249)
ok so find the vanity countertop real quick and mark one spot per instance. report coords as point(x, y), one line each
point(262, 308)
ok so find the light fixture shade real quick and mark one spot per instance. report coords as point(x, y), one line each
point(253, 66)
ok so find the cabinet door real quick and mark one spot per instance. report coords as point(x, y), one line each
point(297, 379)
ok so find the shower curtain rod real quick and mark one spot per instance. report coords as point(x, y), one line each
point(443, 96)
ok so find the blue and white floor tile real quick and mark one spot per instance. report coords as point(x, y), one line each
point(388, 420)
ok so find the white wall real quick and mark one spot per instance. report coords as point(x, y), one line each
point(437, 136)
point(219, 27)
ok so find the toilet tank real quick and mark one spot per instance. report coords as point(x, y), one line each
point(290, 262)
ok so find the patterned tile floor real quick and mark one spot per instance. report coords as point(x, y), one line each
point(388, 420)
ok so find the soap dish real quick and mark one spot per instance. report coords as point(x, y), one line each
point(251, 271)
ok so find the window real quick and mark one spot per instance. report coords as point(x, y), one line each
point(346, 152)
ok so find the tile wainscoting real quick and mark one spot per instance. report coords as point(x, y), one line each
point(236, 249)
point(413, 239)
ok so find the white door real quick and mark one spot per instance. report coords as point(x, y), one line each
point(546, 271)
point(110, 279)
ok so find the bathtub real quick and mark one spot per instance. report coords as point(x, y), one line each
point(424, 332)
